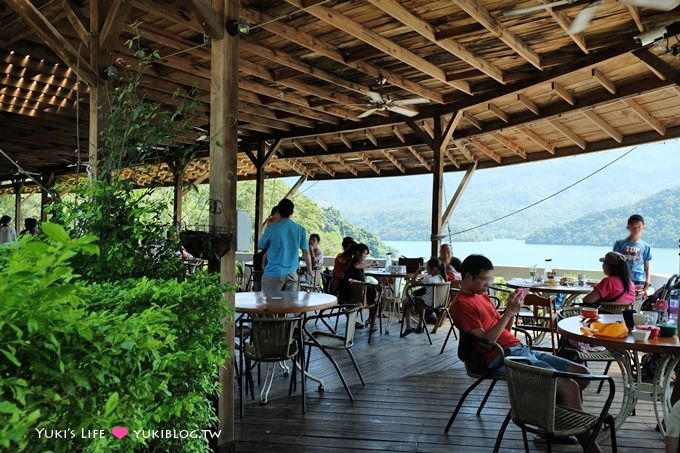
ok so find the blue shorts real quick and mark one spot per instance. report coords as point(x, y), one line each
point(535, 358)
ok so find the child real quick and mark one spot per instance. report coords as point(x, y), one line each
point(637, 252)
point(424, 297)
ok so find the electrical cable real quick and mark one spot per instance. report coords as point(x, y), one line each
point(289, 15)
point(564, 189)
point(22, 171)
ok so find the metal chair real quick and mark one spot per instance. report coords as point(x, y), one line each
point(271, 341)
point(315, 285)
point(585, 356)
point(357, 296)
point(441, 299)
point(534, 408)
point(332, 340)
point(455, 289)
point(476, 368)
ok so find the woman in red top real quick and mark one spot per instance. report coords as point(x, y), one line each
point(617, 286)
point(342, 263)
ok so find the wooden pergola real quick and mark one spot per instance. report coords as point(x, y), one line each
point(286, 98)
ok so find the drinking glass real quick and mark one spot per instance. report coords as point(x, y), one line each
point(532, 273)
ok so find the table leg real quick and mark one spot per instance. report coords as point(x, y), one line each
point(662, 389)
point(241, 370)
point(301, 355)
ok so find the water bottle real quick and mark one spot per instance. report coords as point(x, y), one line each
point(388, 263)
point(547, 270)
point(673, 304)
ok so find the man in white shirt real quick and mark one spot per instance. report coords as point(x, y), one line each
point(424, 297)
point(7, 231)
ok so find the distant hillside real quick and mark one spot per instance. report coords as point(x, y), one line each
point(662, 224)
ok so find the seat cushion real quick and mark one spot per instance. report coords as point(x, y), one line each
point(569, 422)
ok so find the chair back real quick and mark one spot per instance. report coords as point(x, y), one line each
point(539, 305)
point(412, 264)
point(356, 294)
point(615, 308)
point(350, 313)
point(533, 393)
point(569, 312)
point(272, 337)
point(441, 294)
point(327, 279)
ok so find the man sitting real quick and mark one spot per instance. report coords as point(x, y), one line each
point(473, 312)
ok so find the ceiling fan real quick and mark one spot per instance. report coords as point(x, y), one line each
point(582, 20)
point(379, 102)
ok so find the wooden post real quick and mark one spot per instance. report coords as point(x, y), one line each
point(459, 194)
point(259, 191)
point(18, 187)
point(94, 115)
point(178, 198)
point(437, 183)
point(47, 180)
point(223, 149)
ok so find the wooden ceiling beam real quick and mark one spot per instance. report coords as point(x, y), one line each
point(528, 103)
point(393, 160)
point(320, 141)
point(369, 163)
point(462, 147)
point(207, 17)
point(321, 47)
point(484, 149)
point(646, 116)
point(659, 67)
point(472, 120)
point(571, 135)
point(397, 133)
point(602, 124)
point(451, 158)
point(77, 20)
point(540, 141)
point(509, 144)
point(426, 30)
point(322, 165)
point(35, 20)
point(498, 112)
point(345, 140)
point(604, 80)
point(562, 92)
point(420, 158)
point(371, 137)
point(475, 10)
point(635, 14)
point(298, 145)
point(346, 165)
point(389, 47)
point(113, 24)
point(565, 24)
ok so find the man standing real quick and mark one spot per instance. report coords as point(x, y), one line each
point(637, 252)
point(282, 242)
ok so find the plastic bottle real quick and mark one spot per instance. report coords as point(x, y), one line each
point(388, 263)
point(673, 304)
point(547, 269)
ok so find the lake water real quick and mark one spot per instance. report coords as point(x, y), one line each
point(509, 252)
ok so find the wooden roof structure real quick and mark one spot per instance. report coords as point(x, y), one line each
point(502, 90)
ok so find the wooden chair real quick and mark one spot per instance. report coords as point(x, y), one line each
point(332, 340)
point(534, 408)
point(538, 316)
point(441, 299)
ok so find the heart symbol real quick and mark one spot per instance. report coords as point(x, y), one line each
point(119, 431)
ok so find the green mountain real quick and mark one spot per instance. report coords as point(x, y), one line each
point(662, 224)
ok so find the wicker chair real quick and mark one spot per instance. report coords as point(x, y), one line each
point(271, 341)
point(334, 341)
point(614, 308)
point(455, 289)
point(357, 296)
point(534, 408)
point(538, 316)
point(316, 285)
point(441, 300)
point(584, 356)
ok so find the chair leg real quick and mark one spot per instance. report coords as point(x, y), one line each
point(606, 370)
point(424, 324)
point(292, 381)
point(526, 441)
point(337, 368)
point(501, 433)
point(356, 366)
point(447, 338)
point(486, 397)
point(371, 325)
point(401, 328)
point(309, 355)
point(460, 403)
point(548, 443)
point(612, 431)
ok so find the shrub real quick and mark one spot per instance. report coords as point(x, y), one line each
point(139, 353)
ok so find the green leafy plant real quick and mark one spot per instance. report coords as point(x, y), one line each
point(140, 353)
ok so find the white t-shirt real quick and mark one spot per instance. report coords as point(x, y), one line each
point(7, 234)
point(428, 297)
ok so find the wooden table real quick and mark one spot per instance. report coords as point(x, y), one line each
point(625, 350)
point(540, 288)
point(389, 281)
point(281, 303)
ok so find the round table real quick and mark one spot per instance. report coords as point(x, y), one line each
point(571, 292)
point(389, 281)
point(625, 351)
point(281, 303)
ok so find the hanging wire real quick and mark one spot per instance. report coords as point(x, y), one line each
point(290, 15)
point(564, 189)
point(198, 46)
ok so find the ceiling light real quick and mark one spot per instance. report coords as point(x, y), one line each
point(238, 27)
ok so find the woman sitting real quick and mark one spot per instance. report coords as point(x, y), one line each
point(355, 272)
point(342, 263)
point(423, 297)
point(617, 286)
point(315, 251)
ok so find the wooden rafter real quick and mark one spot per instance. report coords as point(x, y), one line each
point(509, 144)
point(51, 36)
point(451, 158)
point(484, 149)
point(207, 17)
point(571, 135)
point(347, 166)
point(364, 158)
point(423, 28)
point(528, 103)
point(398, 134)
point(604, 80)
point(344, 23)
point(472, 120)
point(635, 14)
point(369, 135)
point(113, 25)
point(319, 46)
point(77, 20)
point(540, 141)
point(659, 67)
point(481, 15)
point(602, 124)
point(345, 141)
point(420, 158)
point(320, 141)
point(646, 117)
point(450, 128)
point(498, 112)
point(565, 24)
point(394, 160)
point(298, 145)
point(322, 165)
point(562, 92)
